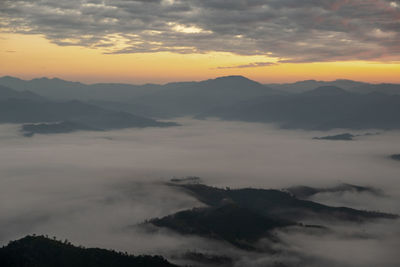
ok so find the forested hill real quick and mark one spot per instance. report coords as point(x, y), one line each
point(40, 251)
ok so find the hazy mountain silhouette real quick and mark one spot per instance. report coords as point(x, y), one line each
point(235, 98)
point(348, 85)
point(323, 108)
point(169, 100)
point(191, 98)
point(326, 91)
point(385, 88)
point(27, 107)
point(40, 251)
point(8, 93)
point(57, 89)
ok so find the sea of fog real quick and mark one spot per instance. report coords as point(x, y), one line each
point(94, 188)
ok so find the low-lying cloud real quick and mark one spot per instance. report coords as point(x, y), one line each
point(94, 188)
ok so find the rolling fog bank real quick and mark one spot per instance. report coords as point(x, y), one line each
point(94, 187)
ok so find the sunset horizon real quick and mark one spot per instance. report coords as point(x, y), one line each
point(166, 40)
point(33, 56)
point(90, 81)
point(204, 133)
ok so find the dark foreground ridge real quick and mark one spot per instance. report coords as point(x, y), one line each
point(237, 225)
point(278, 204)
point(40, 251)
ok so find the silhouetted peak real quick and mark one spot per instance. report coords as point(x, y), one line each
point(345, 80)
point(326, 91)
point(232, 79)
point(55, 80)
point(10, 78)
point(306, 81)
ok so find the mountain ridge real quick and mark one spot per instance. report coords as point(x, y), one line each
point(34, 251)
point(46, 116)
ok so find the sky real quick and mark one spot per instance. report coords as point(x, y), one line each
point(158, 41)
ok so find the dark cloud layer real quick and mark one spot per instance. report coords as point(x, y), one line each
point(292, 30)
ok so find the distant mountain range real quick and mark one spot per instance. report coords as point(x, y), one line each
point(348, 85)
point(163, 101)
point(323, 108)
point(306, 105)
point(45, 116)
point(66, 90)
point(57, 89)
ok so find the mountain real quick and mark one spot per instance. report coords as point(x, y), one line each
point(385, 88)
point(191, 98)
point(26, 111)
point(237, 225)
point(278, 204)
point(323, 108)
point(317, 105)
point(40, 251)
point(303, 86)
point(348, 85)
point(8, 93)
point(326, 91)
point(57, 89)
point(242, 217)
point(169, 100)
point(55, 117)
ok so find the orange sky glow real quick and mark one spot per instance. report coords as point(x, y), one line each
point(30, 56)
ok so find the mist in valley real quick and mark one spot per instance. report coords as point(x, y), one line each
point(97, 188)
point(171, 133)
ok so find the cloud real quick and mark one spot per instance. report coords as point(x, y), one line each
point(250, 65)
point(290, 30)
point(91, 187)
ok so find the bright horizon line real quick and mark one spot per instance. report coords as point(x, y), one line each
point(183, 81)
point(34, 56)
